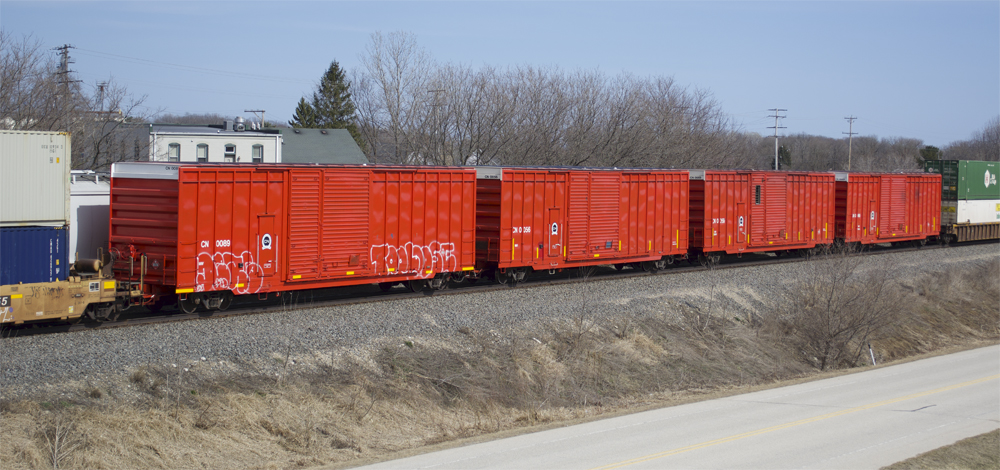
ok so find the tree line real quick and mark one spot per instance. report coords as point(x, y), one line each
point(402, 107)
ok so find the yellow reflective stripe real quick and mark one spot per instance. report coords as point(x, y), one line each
point(350, 273)
point(184, 291)
point(17, 296)
point(468, 268)
point(109, 284)
point(299, 276)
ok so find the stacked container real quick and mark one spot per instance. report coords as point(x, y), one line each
point(34, 215)
point(970, 198)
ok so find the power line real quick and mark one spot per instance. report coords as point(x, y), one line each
point(850, 142)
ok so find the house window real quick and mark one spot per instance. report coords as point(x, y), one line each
point(174, 152)
point(230, 155)
point(202, 153)
point(258, 153)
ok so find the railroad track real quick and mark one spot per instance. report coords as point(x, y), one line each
point(302, 300)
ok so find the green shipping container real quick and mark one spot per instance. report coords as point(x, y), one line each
point(966, 179)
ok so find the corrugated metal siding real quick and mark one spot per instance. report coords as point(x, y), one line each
point(776, 189)
point(34, 178)
point(577, 220)
point(33, 254)
point(304, 217)
point(345, 223)
point(892, 213)
point(487, 222)
point(144, 218)
point(966, 179)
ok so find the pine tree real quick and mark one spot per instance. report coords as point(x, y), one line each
point(304, 117)
point(332, 102)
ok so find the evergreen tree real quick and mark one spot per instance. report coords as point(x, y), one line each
point(331, 106)
point(304, 117)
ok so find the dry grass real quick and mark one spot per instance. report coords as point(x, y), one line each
point(981, 452)
point(414, 392)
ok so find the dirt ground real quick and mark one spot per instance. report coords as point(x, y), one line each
point(416, 395)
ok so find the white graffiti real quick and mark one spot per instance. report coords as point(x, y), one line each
point(238, 273)
point(421, 260)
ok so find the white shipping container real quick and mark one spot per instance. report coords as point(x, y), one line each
point(90, 209)
point(979, 211)
point(34, 178)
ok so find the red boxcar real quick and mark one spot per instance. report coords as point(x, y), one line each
point(746, 211)
point(193, 230)
point(556, 218)
point(887, 207)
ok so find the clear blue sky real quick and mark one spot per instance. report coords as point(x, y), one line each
point(926, 70)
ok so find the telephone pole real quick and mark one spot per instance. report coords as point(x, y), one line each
point(850, 141)
point(255, 111)
point(776, 127)
point(64, 71)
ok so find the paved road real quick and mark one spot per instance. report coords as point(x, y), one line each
point(863, 420)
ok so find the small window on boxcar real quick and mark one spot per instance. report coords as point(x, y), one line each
point(174, 152)
point(202, 153)
point(230, 155)
point(756, 196)
point(258, 153)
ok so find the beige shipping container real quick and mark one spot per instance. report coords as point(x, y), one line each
point(34, 178)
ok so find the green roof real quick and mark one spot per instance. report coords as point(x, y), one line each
point(320, 146)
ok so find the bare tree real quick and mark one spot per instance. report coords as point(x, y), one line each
point(842, 303)
point(35, 95)
point(398, 70)
point(412, 111)
point(983, 145)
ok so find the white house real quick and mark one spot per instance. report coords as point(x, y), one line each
point(230, 142)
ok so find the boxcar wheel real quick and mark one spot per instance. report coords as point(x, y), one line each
point(187, 305)
point(417, 285)
point(227, 300)
point(386, 286)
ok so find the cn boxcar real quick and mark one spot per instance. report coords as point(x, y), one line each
point(206, 232)
point(735, 212)
point(556, 218)
point(888, 207)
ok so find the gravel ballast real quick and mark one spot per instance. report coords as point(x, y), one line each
point(258, 344)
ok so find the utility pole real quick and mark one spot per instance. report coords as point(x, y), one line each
point(255, 111)
point(850, 141)
point(64, 71)
point(776, 127)
point(101, 86)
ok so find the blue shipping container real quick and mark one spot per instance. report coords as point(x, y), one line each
point(33, 254)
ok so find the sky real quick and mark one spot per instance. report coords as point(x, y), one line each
point(917, 69)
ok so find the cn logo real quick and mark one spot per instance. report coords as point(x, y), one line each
point(204, 244)
point(265, 241)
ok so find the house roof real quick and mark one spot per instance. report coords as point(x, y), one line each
point(320, 146)
point(189, 129)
